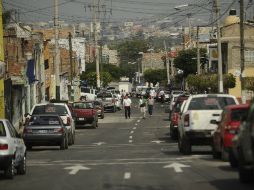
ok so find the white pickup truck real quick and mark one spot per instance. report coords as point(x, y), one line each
point(194, 124)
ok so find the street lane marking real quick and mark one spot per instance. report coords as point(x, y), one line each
point(138, 121)
point(134, 128)
point(132, 132)
point(177, 167)
point(136, 124)
point(130, 137)
point(127, 175)
point(130, 141)
point(75, 169)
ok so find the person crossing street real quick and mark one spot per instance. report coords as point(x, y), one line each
point(127, 106)
point(150, 105)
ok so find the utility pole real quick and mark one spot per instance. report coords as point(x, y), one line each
point(242, 50)
point(57, 53)
point(71, 64)
point(96, 44)
point(220, 74)
point(198, 53)
point(167, 62)
point(190, 32)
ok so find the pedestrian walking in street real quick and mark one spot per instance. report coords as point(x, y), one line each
point(127, 106)
point(150, 105)
point(143, 105)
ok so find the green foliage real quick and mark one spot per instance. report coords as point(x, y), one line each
point(105, 78)
point(154, 76)
point(200, 83)
point(186, 60)
point(7, 17)
point(249, 83)
point(129, 50)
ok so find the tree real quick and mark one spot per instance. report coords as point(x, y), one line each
point(249, 83)
point(106, 78)
point(186, 60)
point(91, 78)
point(154, 76)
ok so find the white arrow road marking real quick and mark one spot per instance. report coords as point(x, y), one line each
point(75, 169)
point(99, 143)
point(177, 167)
point(157, 142)
point(132, 132)
point(127, 175)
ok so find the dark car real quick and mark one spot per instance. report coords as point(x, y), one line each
point(85, 113)
point(45, 130)
point(100, 108)
point(174, 116)
point(227, 128)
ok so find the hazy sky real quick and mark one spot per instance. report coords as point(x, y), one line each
point(79, 11)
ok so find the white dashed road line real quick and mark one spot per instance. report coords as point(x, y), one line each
point(130, 141)
point(134, 128)
point(127, 175)
point(130, 137)
point(131, 132)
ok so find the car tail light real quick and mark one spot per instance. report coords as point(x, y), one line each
point(58, 130)
point(174, 117)
point(68, 121)
point(232, 128)
point(26, 130)
point(187, 120)
point(3, 146)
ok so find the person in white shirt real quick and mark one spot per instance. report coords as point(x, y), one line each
point(143, 105)
point(150, 105)
point(127, 106)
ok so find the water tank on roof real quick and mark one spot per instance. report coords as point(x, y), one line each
point(232, 18)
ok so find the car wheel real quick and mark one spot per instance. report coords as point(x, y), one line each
point(245, 174)
point(224, 154)
point(9, 172)
point(232, 159)
point(216, 154)
point(94, 124)
point(21, 169)
point(66, 142)
point(62, 144)
point(186, 146)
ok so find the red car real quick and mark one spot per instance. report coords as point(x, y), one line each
point(227, 128)
point(85, 113)
point(174, 116)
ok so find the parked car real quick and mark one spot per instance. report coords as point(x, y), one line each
point(245, 148)
point(108, 100)
point(61, 109)
point(228, 127)
point(12, 150)
point(175, 114)
point(45, 130)
point(100, 108)
point(85, 113)
point(194, 126)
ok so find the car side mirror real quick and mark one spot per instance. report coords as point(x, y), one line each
point(214, 122)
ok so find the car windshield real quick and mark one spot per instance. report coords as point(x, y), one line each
point(238, 114)
point(50, 109)
point(210, 103)
point(2, 129)
point(83, 105)
point(104, 95)
point(44, 120)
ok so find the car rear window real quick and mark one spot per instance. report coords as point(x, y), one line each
point(238, 114)
point(2, 130)
point(104, 95)
point(44, 120)
point(83, 105)
point(50, 109)
point(210, 103)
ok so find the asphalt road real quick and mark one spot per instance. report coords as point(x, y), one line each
point(125, 154)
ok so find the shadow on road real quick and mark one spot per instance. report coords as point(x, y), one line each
point(232, 184)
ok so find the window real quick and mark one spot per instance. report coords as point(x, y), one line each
point(210, 103)
point(44, 120)
point(50, 109)
point(2, 130)
point(81, 105)
point(249, 56)
point(238, 114)
point(12, 130)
